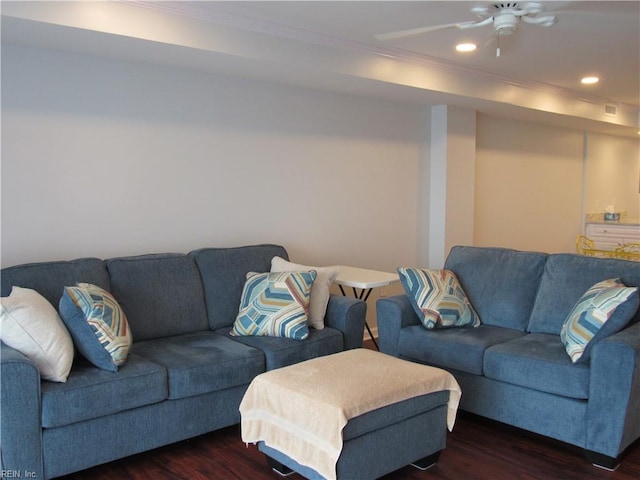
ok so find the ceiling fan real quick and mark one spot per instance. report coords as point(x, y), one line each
point(504, 17)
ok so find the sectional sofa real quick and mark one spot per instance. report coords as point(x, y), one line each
point(184, 375)
point(514, 368)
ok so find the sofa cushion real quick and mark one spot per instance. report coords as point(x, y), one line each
point(537, 361)
point(30, 324)
point(319, 291)
point(50, 278)
point(452, 348)
point(280, 352)
point(437, 298)
point(603, 310)
point(161, 294)
point(500, 283)
point(97, 324)
point(224, 273)
point(275, 305)
point(565, 279)
point(202, 362)
point(91, 392)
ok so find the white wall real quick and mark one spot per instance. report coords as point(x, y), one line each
point(528, 185)
point(106, 158)
point(613, 175)
point(450, 182)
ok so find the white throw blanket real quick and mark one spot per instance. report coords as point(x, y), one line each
point(300, 410)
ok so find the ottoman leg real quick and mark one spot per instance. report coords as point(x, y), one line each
point(278, 467)
point(427, 462)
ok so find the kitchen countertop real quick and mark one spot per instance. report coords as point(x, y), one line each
point(598, 219)
point(631, 222)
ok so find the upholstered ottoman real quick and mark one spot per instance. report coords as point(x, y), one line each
point(357, 414)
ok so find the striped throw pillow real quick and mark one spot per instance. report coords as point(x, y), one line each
point(97, 324)
point(275, 304)
point(438, 298)
point(603, 310)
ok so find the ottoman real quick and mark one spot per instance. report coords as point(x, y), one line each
point(357, 414)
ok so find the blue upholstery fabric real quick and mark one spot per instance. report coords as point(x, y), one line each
point(21, 429)
point(394, 413)
point(555, 416)
point(202, 362)
point(280, 351)
point(137, 383)
point(537, 361)
point(500, 283)
point(613, 414)
point(161, 295)
point(224, 273)
point(458, 348)
point(347, 316)
point(75, 447)
point(393, 438)
point(394, 314)
point(566, 278)
point(100, 416)
point(529, 381)
point(50, 278)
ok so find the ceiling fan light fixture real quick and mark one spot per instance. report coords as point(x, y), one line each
point(505, 23)
point(466, 47)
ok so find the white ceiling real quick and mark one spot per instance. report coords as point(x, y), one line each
point(331, 45)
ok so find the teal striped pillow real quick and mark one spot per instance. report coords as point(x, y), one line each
point(97, 324)
point(275, 304)
point(603, 310)
point(438, 298)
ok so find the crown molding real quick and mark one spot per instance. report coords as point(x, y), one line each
point(256, 25)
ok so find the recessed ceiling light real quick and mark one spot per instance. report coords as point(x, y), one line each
point(589, 80)
point(466, 47)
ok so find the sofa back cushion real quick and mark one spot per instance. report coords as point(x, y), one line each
point(161, 294)
point(500, 283)
point(566, 278)
point(50, 278)
point(224, 273)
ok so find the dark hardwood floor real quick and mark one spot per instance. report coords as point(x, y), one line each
point(477, 449)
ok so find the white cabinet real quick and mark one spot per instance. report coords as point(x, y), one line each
point(614, 235)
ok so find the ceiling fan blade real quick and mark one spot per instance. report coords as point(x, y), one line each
point(418, 31)
point(545, 21)
point(481, 23)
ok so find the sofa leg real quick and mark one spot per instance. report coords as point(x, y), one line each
point(427, 462)
point(602, 461)
point(278, 467)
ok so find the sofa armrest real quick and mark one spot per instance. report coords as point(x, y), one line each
point(347, 314)
point(613, 411)
point(20, 427)
point(394, 313)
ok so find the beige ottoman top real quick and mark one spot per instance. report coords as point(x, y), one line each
point(300, 410)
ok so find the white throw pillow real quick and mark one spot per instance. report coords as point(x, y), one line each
point(30, 324)
point(319, 290)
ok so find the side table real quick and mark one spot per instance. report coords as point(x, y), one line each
point(365, 280)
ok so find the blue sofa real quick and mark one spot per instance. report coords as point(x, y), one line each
point(184, 376)
point(514, 367)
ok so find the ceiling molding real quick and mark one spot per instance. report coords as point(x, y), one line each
point(161, 33)
point(257, 25)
